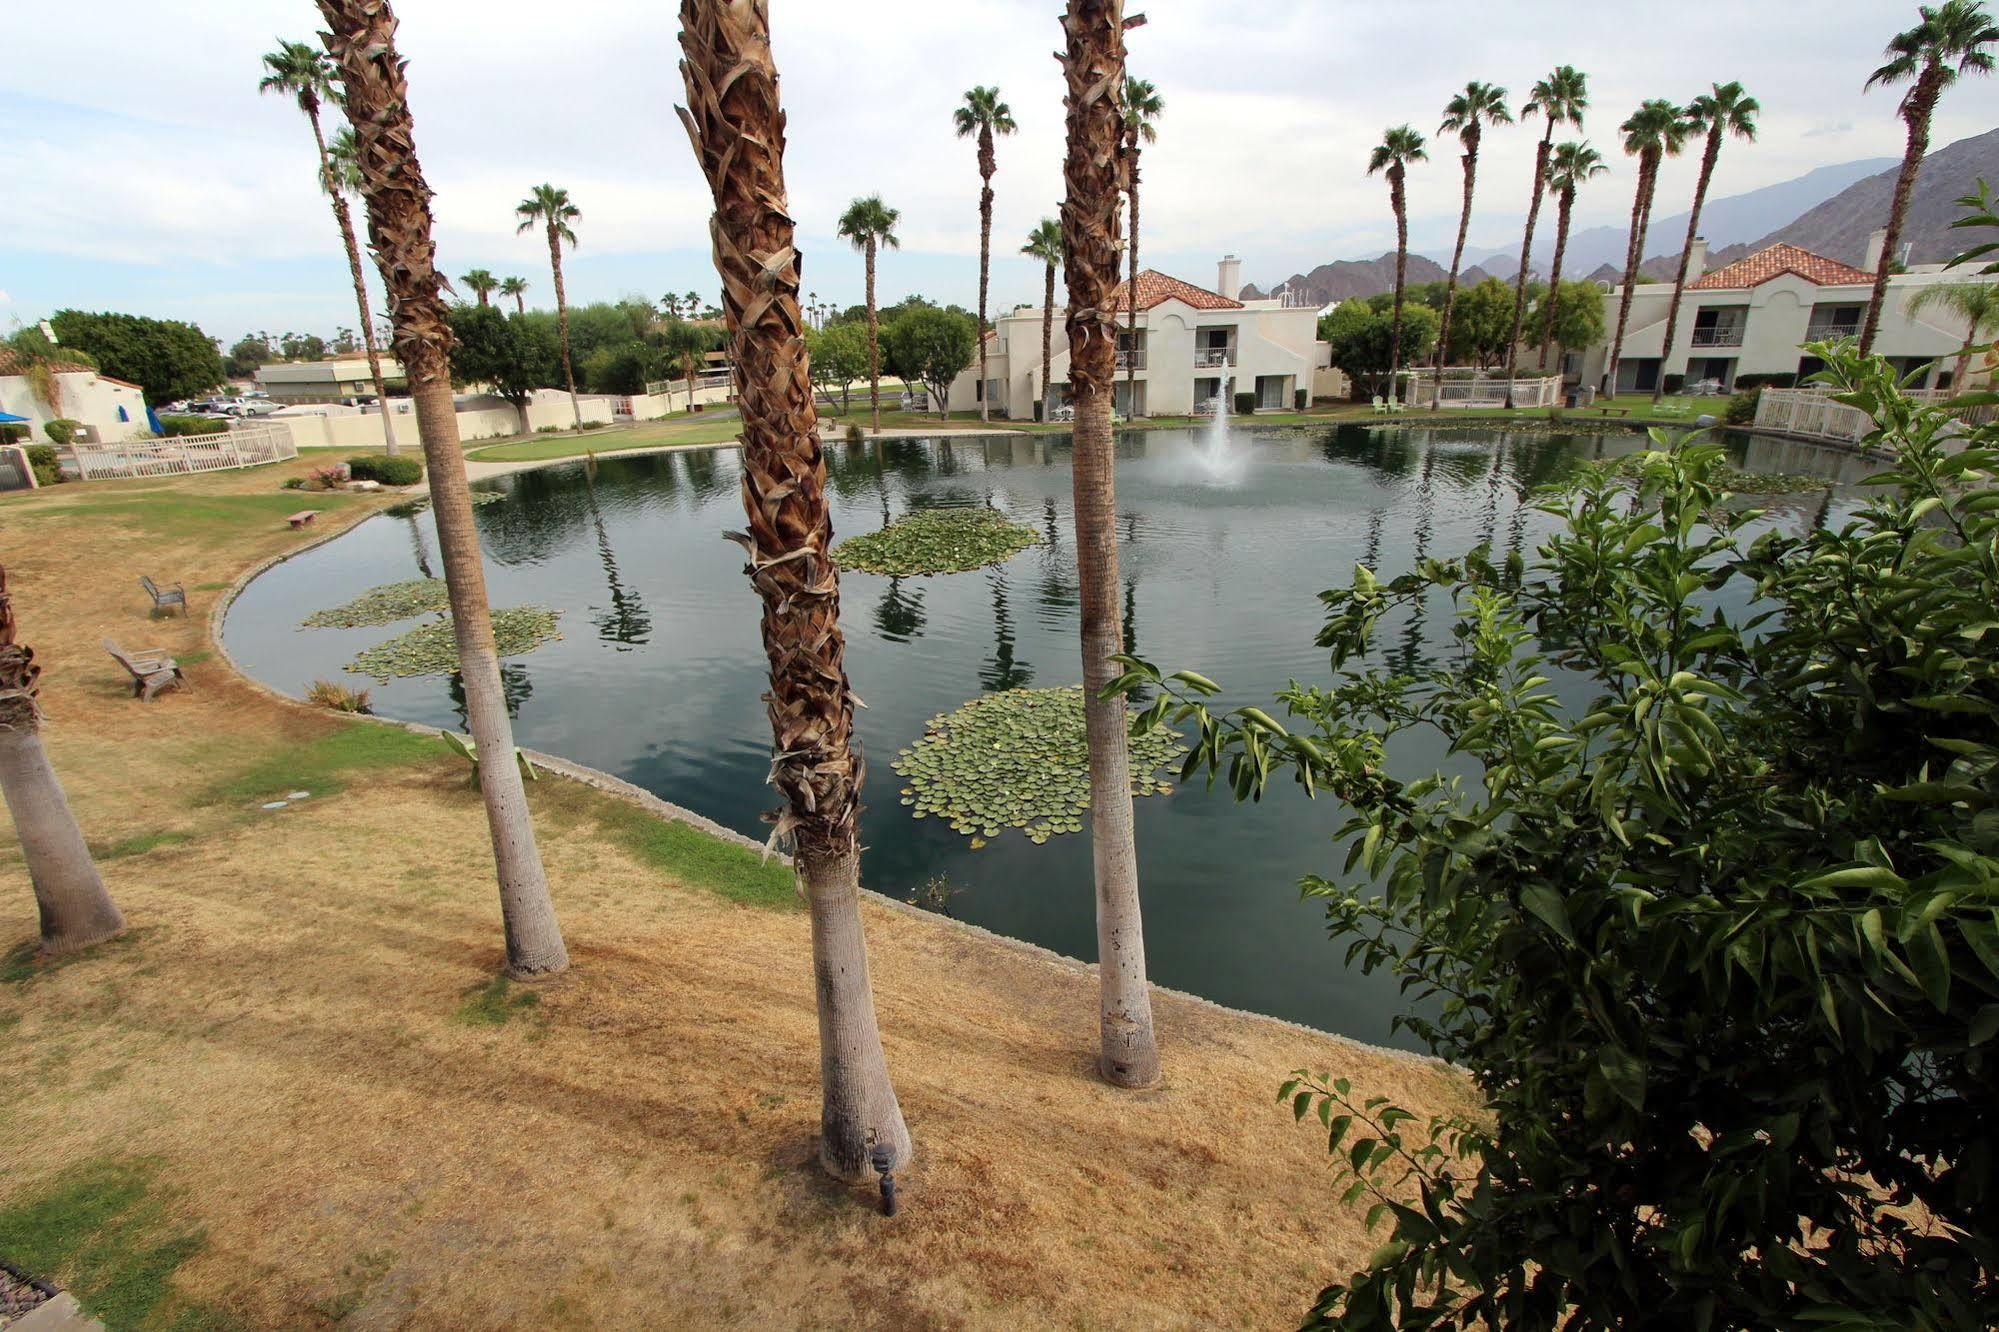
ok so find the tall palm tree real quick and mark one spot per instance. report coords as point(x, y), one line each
point(1976, 303)
point(1954, 38)
point(869, 224)
point(1398, 148)
point(1093, 171)
point(360, 37)
point(1560, 99)
point(517, 288)
point(1570, 166)
point(1466, 116)
point(548, 207)
point(982, 116)
point(297, 71)
point(1717, 114)
point(75, 908)
point(1654, 131)
point(684, 346)
point(737, 126)
point(1142, 106)
point(483, 284)
point(1045, 243)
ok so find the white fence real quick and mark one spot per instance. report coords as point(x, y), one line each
point(246, 446)
point(1468, 388)
point(1811, 413)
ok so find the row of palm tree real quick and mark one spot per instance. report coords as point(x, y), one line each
point(482, 283)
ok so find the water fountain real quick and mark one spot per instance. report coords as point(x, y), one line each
point(1217, 456)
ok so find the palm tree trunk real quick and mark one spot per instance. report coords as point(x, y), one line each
point(1563, 212)
point(562, 321)
point(985, 257)
point(1641, 210)
point(1400, 204)
point(1541, 152)
point(737, 127)
point(520, 303)
point(1093, 64)
point(75, 908)
point(1131, 290)
point(1708, 156)
point(343, 216)
point(1922, 100)
point(874, 340)
point(1047, 341)
point(361, 41)
point(1470, 160)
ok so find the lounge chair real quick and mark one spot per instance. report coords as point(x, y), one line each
point(1397, 405)
point(1380, 407)
point(151, 671)
point(164, 598)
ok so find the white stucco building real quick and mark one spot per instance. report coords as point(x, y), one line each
point(329, 380)
point(1191, 343)
point(1752, 317)
point(110, 410)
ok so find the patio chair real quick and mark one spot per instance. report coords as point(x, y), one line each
point(1380, 406)
point(151, 671)
point(1397, 405)
point(164, 598)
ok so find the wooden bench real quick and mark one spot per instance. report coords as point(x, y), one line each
point(302, 517)
point(1613, 411)
point(164, 598)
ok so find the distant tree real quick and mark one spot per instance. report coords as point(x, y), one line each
point(1142, 106)
point(548, 207)
point(1466, 115)
point(931, 347)
point(1654, 131)
point(1954, 38)
point(1727, 110)
point(302, 347)
point(510, 355)
point(1976, 303)
point(1365, 343)
point(1571, 166)
point(1398, 148)
point(516, 287)
point(982, 116)
point(1482, 323)
point(1577, 315)
point(481, 283)
point(166, 358)
point(686, 347)
point(249, 352)
point(344, 342)
point(839, 357)
point(869, 224)
point(1045, 243)
point(1559, 99)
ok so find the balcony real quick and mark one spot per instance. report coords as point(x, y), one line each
point(1721, 335)
point(1210, 358)
point(1133, 359)
point(1825, 330)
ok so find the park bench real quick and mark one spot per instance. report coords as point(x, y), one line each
point(1613, 411)
point(151, 671)
point(302, 517)
point(164, 598)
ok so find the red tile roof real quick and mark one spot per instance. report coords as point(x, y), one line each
point(13, 363)
point(1155, 288)
point(1756, 269)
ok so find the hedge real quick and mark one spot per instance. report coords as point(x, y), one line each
point(400, 470)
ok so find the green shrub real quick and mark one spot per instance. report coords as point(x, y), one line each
point(1301, 399)
point(294, 483)
point(1742, 407)
point(171, 426)
point(1782, 380)
point(1710, 928)
point(1245, 403)
point(1674, 383)
point(62, 430)
point(46, 463)
point(397, 470)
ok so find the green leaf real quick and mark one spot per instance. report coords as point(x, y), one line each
point(1625, 1073)
point(1546, 904)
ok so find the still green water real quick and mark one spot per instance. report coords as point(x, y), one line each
point(659, 674)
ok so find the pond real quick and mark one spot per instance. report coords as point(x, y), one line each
point(659, 674)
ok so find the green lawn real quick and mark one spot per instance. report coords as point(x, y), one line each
point(699, 428)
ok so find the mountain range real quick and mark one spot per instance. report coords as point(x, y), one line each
point(1830, 211)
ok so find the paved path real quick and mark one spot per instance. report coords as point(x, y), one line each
point(60, 1314)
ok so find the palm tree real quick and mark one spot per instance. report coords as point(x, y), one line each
point(869, 224)
point(1466, 116)
point(1953, 38)
point(1093, 171)
point(1727, 110)
point(548, 207)
point(516, 287)
point(1569, 167)
point(684, 346)
point(1398, 148)
point(482, 283)
point(737, 126)
point(361, 40)
point(75, 908)
point(1655, 130)
point(1977, 303)
point(1560, 99)
point(1045, 243)
point(1142, 106)
point(983, 115)
point(301, 73)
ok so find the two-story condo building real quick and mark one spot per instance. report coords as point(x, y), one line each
point(330, 380)
point(1754, 315)
point(1192, 344)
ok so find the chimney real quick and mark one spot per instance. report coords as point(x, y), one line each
point(1228, 277)
point(1876, 242)
point(1696, 258)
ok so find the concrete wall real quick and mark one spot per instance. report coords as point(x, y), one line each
point(86, 397)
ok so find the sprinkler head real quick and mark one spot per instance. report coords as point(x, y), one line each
point(882, 1158)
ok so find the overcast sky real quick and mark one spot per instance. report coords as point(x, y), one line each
point(141, 171)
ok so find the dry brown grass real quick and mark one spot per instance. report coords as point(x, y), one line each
point(298, 1031)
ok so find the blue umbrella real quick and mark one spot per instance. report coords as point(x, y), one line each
point(8, 418)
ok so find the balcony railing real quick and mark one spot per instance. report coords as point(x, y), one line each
point(1133, 359)
point(1725, 335)
point(1208, 358)
point(1824, 330)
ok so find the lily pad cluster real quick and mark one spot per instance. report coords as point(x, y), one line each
point(384, 605)
point(934, 541)
point(430, 649)
point(1018, 759)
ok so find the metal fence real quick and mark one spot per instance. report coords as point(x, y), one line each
point(1812, 413)
point(249, 445)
